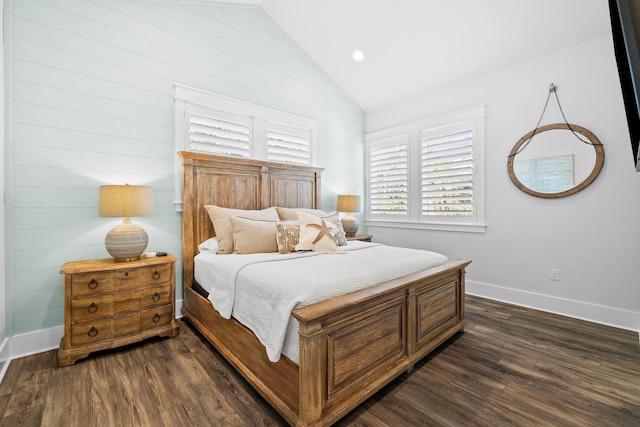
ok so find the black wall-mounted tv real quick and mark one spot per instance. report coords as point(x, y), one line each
point(625, 24)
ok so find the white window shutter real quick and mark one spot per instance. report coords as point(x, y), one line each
point(288, 144)
point(388, 187)
point(220, 133)
point(447, 173)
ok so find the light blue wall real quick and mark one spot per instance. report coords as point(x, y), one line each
point(91, 103)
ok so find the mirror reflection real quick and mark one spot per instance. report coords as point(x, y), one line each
point(555, 163)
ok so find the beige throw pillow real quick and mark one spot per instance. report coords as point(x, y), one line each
point(253, 236)
point(315, 235)
point(222, 225)
point(288, 214)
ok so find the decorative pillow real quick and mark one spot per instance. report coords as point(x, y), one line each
point(209, 245)
point(315, 235)
point(337, 230)
point(287, 236)
point(222, 226)
point(288, 214)
point(253, 236)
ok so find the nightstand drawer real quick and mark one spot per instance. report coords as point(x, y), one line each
point(104, 329)
point(155, 274)
point(155, 317)
point(90, 332)
point(91, 308)
point(155, 296)
point(98, 306)
point(83, 284)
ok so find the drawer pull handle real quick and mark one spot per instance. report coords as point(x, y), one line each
point(156, 275)
point(93, 284)
point(126, 274)
point(156, 296)
point(92, 332)
point(156, 318)
point(92, 308)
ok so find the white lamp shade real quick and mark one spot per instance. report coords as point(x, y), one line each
point(348, 203)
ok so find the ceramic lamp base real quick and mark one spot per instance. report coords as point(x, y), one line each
point(126, 242)
point(350, 225)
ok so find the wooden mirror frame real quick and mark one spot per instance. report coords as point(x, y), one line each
point(597, 167)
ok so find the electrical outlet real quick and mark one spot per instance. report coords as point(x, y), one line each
point(554, 274)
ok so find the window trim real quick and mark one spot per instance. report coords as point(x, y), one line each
point(411, 131)
point(187, 98)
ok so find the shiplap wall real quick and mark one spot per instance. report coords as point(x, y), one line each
point(91, 103)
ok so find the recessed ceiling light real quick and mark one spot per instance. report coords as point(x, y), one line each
point(357, 55)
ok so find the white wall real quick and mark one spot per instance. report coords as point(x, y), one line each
point(4, 347)
point(92, 103)
point(593, 237)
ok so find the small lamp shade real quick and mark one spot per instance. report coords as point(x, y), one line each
point(126, 200)
point(349, 203)
point(127, 241)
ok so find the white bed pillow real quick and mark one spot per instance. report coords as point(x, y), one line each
point(209, 245)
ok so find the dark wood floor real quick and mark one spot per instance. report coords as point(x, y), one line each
point(511, 366)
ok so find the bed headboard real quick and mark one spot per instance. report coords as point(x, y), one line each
point(241, 184)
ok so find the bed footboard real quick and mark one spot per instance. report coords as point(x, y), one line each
point(353, 345)
point(350, 346)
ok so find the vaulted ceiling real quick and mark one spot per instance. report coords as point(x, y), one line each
point(413, 46)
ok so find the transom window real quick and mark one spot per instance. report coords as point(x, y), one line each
point(217, 124)
point(220, 133)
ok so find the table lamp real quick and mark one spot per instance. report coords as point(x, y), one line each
point(348, 203)
point(127, 241)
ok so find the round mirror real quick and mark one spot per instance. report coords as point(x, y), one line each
point(555, 164)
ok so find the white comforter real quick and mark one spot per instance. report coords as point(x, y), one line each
point(261, 290)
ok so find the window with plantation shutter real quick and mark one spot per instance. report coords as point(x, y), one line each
point(428, 174)
point(288, 144)
point(217, 124)
point(389, 179)
point(220, 133)
point(447, 173)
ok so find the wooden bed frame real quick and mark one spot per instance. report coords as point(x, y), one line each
point(351, 345)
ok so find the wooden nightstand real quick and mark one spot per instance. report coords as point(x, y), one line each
point(109, 304)
point(361, 237)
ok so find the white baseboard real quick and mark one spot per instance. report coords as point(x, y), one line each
point(27, 344)
point(609, 316)
point(38, 342)
point(4, 357)
point(35, 342)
